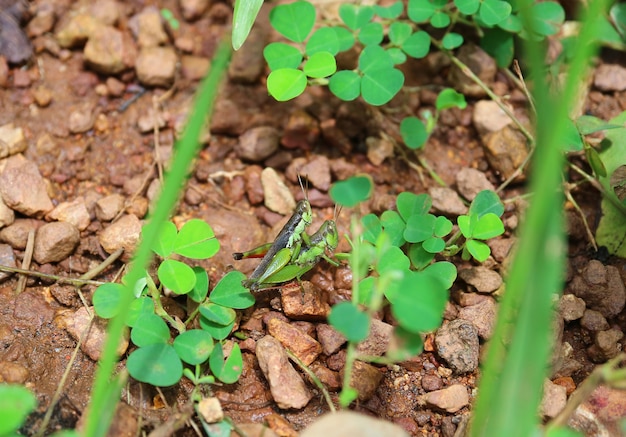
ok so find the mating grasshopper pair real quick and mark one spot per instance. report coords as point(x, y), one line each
point(293, 253)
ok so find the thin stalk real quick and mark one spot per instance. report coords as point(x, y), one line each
point(512, 380)
point(314, 378)
point(469, 73)
point(595, 379)
point(99, 419)
point(28, 256)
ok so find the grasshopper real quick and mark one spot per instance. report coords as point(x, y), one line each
point(288, 265)
point(293, 262)
point(289, 238)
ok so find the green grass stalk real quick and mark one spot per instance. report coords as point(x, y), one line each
point(517, 361)
point(105, 393)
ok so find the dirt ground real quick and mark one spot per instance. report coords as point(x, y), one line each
point(97, 129)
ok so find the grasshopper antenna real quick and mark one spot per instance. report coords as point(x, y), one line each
point(337, 211)
point(305, 191)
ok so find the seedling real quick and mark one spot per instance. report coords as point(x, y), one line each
point(399, 248)
point(158, 360)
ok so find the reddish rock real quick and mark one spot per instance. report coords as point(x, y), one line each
point(300, 344)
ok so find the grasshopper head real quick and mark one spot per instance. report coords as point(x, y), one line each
point(303, 209)
point(331, 237)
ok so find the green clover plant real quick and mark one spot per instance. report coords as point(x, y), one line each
point(387, 40)
point(159, 358)
point(393, 263)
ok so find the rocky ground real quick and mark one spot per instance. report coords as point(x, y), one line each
point(87, 123)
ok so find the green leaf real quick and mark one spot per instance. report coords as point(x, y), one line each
point(355, 16)
point(442, 227)
point(372, 227)
point(217, 313)
point(452, 40)
point(394, 227)
point(397, 55)
point(194, 346)
point(344, 37)
point(413, 132)
point(217, 331)
point(466, 225)
point(324, 39)
point(410, 204)
point(374, 58)
point(499, 45)
point(434, 245)
point(140, 286)
point(201, 288)
point(228, 371)
point(294, 21)
point(390, 12)
point(399, 32)
point(420, 11)
point(419, 303)
point(572, 140)
point(351, 191)
point(280, 55)
point(371, 33)
point(366, 291)
point(320, 64)
point(230, 293)
point(450, 98)
point(443, 271)
point(149, 329)
point(196, 240)
point(16, 403)
point(380, 86)
point(485, 202)
point(467, 7)
point(164, 245)
point(488, 226)
point(107, 298)
point(512, 24)
point(243, 18)
point(493, 12)
point(588, 124)
point(419, 257)
point(393, 258)
point(607, 33)
point(417, 45)
point(155, 364)
point(479, 250)
point(546, 18)
point(346, 318)
point(419, 228)
point(286, 83)
point(177, 276)
point(618, 15)
point(439, 20)
point(137, 308)
point(345, 84)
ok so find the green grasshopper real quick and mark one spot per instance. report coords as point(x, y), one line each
point(286, 266)
point(292, 263)
point(289, 238)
